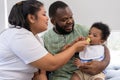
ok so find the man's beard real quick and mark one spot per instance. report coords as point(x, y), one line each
point(60, 30)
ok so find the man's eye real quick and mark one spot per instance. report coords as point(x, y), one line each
point(71, 17)
point(64, 20)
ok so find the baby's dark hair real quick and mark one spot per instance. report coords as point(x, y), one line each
point(104, 28)
point(54, 6)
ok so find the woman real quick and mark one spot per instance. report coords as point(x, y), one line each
point(21, 52)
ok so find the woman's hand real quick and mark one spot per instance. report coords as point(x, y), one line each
point(75, 41)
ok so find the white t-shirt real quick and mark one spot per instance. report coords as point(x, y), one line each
point(18, 48)
point(92, 52)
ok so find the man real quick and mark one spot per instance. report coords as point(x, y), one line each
point(63, 33)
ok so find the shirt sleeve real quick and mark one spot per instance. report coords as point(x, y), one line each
point(27, 47)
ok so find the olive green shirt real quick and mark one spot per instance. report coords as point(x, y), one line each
point(55, 42)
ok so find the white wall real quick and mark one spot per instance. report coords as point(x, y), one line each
point(2, 15)
point(87, 12)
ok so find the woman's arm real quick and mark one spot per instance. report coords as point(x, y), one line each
point(52, 62)
point(95, 67)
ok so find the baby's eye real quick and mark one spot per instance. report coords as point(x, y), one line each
point(89, 33)
point(95, 35)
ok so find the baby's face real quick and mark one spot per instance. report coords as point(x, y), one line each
point(95, 36)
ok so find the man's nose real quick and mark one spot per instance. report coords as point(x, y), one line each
point(69, 20)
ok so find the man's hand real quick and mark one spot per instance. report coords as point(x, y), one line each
point(93, 67)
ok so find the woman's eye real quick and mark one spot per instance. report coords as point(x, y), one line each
point(44, 14)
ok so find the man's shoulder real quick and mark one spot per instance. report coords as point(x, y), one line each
point(81, 29)
point(50, 31)
point(49, 34)
point(81, 26)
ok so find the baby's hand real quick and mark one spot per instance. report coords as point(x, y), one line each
point(77, 62)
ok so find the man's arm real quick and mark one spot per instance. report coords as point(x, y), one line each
point(106, 60)
point(95, 67)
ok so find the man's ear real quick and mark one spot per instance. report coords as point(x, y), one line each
point(52, 21)
point(31, 18)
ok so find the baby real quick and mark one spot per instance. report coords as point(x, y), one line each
point(98, 34)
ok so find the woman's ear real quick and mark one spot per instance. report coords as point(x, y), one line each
point(31, 18)
point(102, 41)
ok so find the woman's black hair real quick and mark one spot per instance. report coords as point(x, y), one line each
point(20, 11)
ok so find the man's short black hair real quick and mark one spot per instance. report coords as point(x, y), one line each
point(54, 6)
point(104, 28)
